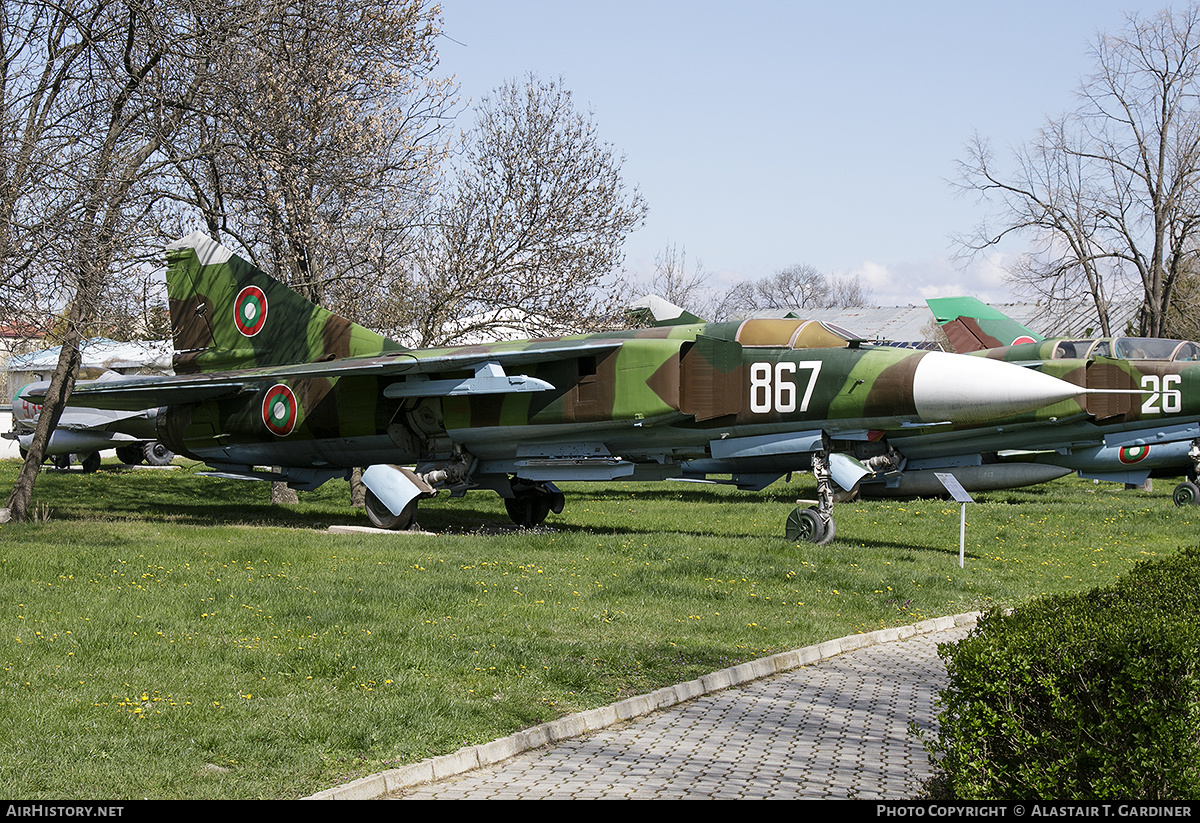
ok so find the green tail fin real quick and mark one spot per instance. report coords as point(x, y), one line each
point(226, 314)
point(973, 325)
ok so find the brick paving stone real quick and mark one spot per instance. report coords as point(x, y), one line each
point(838, 728)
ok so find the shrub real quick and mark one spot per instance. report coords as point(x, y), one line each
point(1085, 696)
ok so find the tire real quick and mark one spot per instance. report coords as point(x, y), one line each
point(157, 454)
point(381, 516)
point(529, 510)
point(130, 455)
point(1186, 494)
point(830, 532)
point(90, 462)
point(805, 526)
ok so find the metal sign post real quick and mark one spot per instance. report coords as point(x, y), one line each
point(951, 484)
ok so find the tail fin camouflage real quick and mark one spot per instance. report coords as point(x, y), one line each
point(973, 325)
point(227, 314)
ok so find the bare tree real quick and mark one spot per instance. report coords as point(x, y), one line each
point(800, 286)
point(529, 230)
point(319, 156)
point(321, 152)
point(1109, 191)
point(1183, 320)
point(39, 54)
point(113, 80)
point(672, 282)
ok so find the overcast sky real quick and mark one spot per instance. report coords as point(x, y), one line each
point(765, 134)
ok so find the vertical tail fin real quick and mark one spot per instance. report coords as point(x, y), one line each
point(973, 325)
point(227, 314)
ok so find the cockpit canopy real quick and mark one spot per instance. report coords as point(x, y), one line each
point(792, 333)
point(1128, 348)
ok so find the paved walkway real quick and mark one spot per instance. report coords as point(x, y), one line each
point(832, 723)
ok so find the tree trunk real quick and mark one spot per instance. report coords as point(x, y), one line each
point(61, 383)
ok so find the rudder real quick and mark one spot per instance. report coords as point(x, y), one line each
point(227, 314)
point(972, 325)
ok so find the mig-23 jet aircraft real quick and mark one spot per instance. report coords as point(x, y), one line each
point(263, 378)
point(1123, 437)
point(83, 433)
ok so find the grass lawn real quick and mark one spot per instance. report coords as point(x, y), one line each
point(166, 635)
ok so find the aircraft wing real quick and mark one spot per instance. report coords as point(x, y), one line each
point(146, 393)
point(490, 369)
point(94, 419)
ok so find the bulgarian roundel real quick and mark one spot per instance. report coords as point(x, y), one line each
point(1022, 339)
point(279, 410)
point(1133, 454)
point(250, 311)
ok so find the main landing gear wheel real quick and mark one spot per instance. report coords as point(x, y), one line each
point(532, 505)
point(130, 455)
point(90, 462)
point(157, 454)
point(1186, 494)
point(528, 510)
point(808, 526)
point(381, 516)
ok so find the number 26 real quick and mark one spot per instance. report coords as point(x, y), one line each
point(1172, 398)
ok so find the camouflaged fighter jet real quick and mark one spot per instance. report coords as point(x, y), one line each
point(1145, 421)
point(82, 434)
point(265, 378)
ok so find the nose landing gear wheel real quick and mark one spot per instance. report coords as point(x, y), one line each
point(1186, 494)
point(808, 526)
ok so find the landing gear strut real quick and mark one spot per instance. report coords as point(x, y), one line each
point(837, 476)
point(393, 492)
point(815, 523)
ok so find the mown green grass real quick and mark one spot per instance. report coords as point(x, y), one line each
point(167, 635)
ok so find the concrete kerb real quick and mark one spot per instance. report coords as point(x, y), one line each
point(470, 758)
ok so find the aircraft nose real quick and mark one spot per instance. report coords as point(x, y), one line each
point(965, 389)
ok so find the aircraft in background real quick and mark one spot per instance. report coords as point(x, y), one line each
point(1124, 437)
point(265, 378)
point(83, 433)
point(972, 325)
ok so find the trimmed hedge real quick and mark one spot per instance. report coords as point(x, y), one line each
point(1074, 697)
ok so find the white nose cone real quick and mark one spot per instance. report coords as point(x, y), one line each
point(962, 389)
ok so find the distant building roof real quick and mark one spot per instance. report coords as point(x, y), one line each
point(914, 324)
point(20, 330)
point(102, 353)
point(1074, 318)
